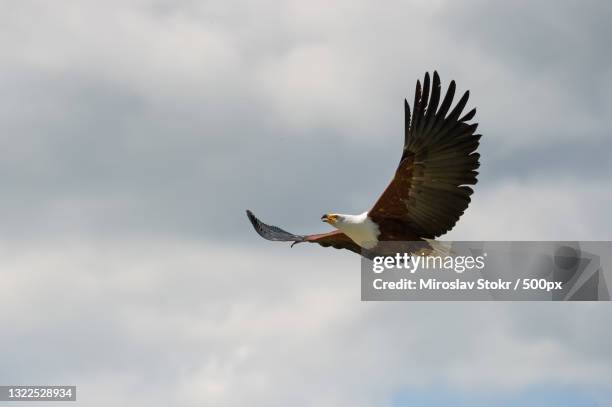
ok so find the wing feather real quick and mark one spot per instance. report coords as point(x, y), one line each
point(335, 239)
point(430, 190)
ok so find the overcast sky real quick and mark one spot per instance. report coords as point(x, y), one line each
point(133, 134)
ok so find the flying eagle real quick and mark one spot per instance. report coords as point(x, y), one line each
point(430, 189)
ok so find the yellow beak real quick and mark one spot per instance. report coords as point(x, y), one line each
point(331, 219)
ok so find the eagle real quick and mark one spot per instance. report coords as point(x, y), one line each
point(431, 186)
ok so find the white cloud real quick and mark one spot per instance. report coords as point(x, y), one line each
point(345, 66)
point(153, 118)
point(541, 208)
point(160, 321)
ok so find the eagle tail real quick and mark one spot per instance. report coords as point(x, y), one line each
point(439, 248)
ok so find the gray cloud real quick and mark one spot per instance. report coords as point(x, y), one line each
point(145, 128)
point(193, 321)
point(202, 110)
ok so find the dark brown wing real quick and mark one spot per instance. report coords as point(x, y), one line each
point(335, 239)
point(430, 189)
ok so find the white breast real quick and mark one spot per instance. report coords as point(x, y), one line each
point(360, 228)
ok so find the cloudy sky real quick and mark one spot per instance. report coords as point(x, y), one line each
point(133, 134)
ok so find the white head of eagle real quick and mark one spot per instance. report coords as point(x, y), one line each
point(360, 228)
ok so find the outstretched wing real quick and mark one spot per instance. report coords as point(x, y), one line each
point(335, 239)
point(430, 191)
